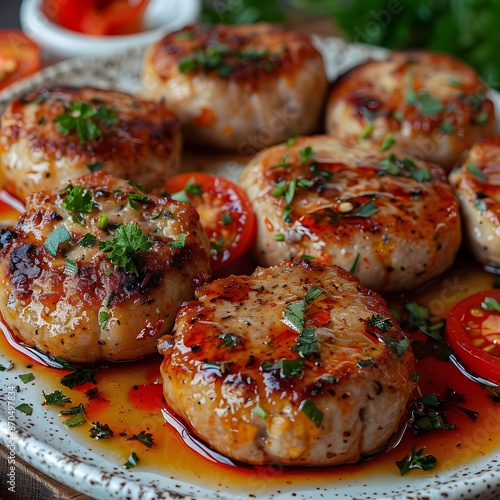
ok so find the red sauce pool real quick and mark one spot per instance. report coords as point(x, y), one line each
point(128, 397)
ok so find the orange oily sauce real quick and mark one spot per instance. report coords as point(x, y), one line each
point(129, 400)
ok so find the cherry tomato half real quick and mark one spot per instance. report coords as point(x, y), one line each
point(19, 57)
point(100, 17)
point(473, 332)
point(225, 213)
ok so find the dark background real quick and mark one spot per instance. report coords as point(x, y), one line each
point(9, 13)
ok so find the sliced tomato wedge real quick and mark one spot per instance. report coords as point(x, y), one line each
point(473, 332)
point(225, 213)
point(101, 17)
point(19, 57)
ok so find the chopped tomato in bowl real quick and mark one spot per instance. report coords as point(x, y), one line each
point(225, 212)
point(473, 332)
point(19, 57)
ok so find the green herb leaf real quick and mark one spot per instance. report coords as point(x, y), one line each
point(143, 437)
point(367, 131)
point(102, 221)
point(398, 346)
point(226, 219)
point(288, 367)
point(308, 407)
point(294, 315)
point(365, 210)
point(87, 241)
point(77, 419)
point(379, 322)
point(230, 340)
point(307, 343)
point(136, 197)
point(428, 104)
point(70, 267)
point(179, 242)
point(123, 249)
point(306, 154)
point(132, 460)
point(25, 408)
point(100, 431)
point(27, 377)
point(259, 411)
point(79, 376)
point(73, 410)
point(55, 398)
point(58, 236)
point(85, 120)
point(474, 170)
point(447, 127)
point(354, 266)
point(490, 304)
point(363, 363)
point(480, 205)
point(94, 167)
point(389, 141)
point(279, 237)
point(483, 118)
point(416, 460)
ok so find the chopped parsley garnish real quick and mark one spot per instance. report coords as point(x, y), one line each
point(88, 240)
point(398, 346)
point(102, 221)
point(226, 219)
point(316, 415)
point(85, 120)
point(367, 131)
point(483, 118)
point(100, 431)
point(132, 460)
point(259, 411)
point(380, 322)
point(422, 100)
point(354, 266)
point(279, 237)
point(146, 438)
point(490, 304)
point(389, 141)
point(74, 410)
point(79, 376)
point(294, 313)
point(288, 367)
point(307, 343)
point(364, 210)
point(70, 267)
point(480, 205)
point(189, 188)
point(77, 419)
point(230, 340)
point(390, 165)
point(416, 460)
point(27, 377)
point(103, 313)
point(474, 170)
point(136, 197)
point(94, 167)
point(447, 127)
point(25, 408)
point(179, 242)
point(363, 363)
point(217, 246)
point(77, 202)
point(55, 398)
point(123, 249)
point(306, 154)
point(58, 236)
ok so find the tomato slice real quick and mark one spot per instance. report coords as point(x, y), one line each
point(225, 213)
point(19, 57)
point(473, 332)
point(101, 17)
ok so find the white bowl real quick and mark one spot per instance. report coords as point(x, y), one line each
point(161, 17)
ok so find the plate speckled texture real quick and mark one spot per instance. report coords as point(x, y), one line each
point(43, 441)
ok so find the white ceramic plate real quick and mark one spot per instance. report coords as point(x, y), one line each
point(43, 441)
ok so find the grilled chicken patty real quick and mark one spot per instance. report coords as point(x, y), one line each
point(240, 87)
point(98, 270)
point(393, 221)
point(54, 135)
point(476, 181)
point(434, 105)
point(296, 364)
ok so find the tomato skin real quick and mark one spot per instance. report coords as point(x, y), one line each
point(219, 196)
point(100, 17)
point(17, 50)
point(473, 357)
